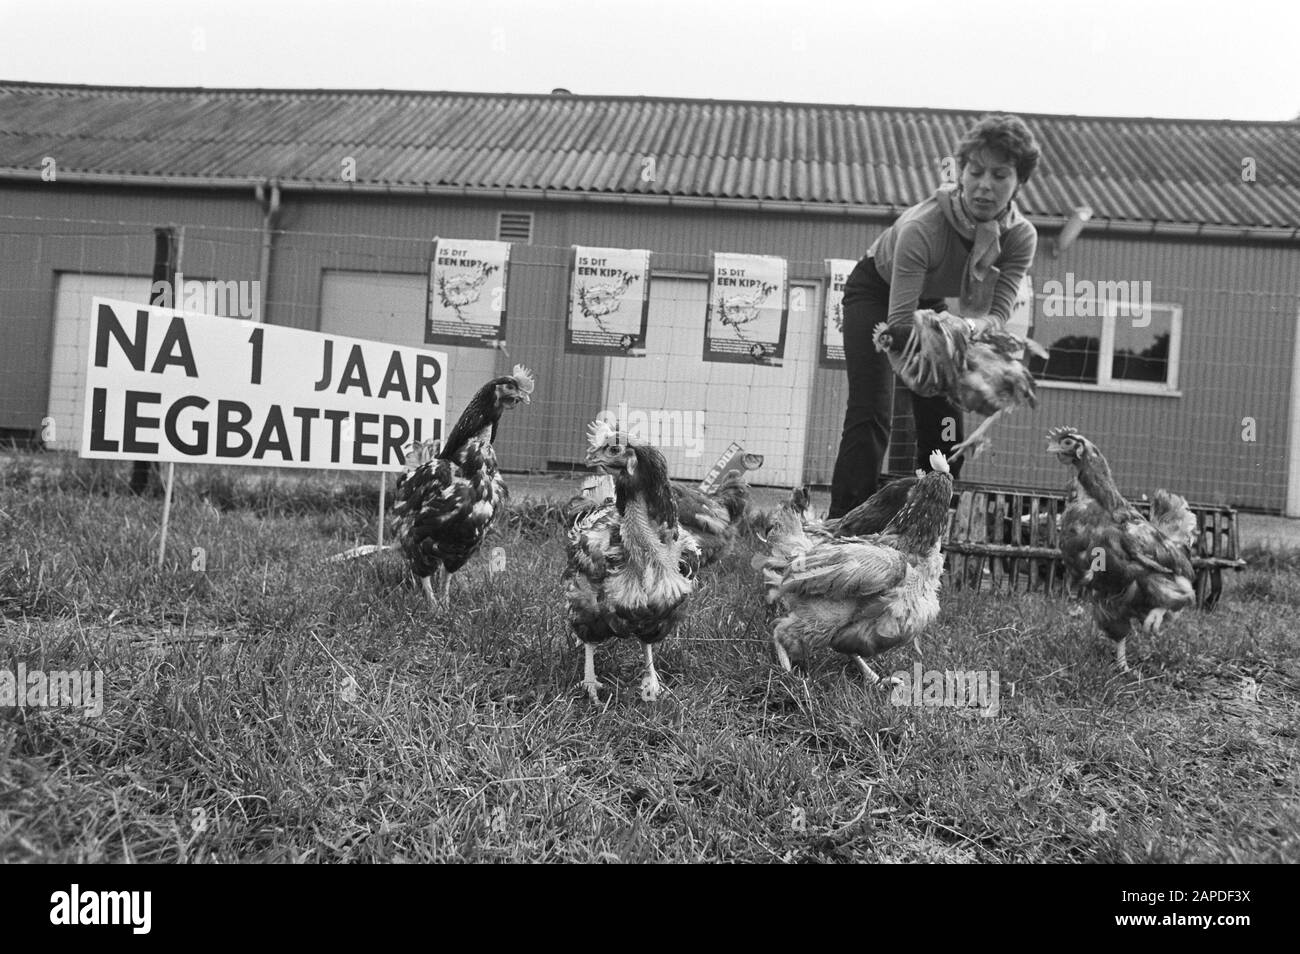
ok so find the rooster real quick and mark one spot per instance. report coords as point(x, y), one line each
point(630, 563)
point(980, 372)
point(1137, 570)
point(861, 595)
point(447, 499)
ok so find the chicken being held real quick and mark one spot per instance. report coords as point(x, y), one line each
point(862, 595)
point(980, 372)
point(449, 495)
point(1136, 570)
point(630, 562)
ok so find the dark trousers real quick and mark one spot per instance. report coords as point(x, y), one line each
point(869, 415)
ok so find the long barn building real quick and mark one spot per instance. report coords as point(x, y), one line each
point(331, 200)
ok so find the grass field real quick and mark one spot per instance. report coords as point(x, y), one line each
point(276, 708)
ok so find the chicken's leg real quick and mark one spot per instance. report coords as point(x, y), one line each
point(876, 681)
point(446, 587)
point(426, 584)
point(589, 680)
point(781, 655)
point(1121, 655)
point(975, 437)
point(650, 684)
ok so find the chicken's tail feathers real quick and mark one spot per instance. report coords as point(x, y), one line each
point(1173, 517)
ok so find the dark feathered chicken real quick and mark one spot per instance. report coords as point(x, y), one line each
point(448, 498)
point(712, 518)
point(981, 373)
point(630, 561)
point(862, 595)
point(1136, 570)
point(875, 513)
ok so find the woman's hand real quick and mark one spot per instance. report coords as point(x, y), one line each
point(977, 326)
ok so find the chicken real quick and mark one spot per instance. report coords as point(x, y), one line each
point(795, 517)
point(981, 373)
point(862, 595)
point(1136, 570)
point(712, 518)
point(446, 501)
point(630, 562)
point(788, 531)
point(874, 514)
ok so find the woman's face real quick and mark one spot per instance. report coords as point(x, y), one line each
point(987, 183)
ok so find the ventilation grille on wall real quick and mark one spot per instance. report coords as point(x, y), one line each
point(515, 227)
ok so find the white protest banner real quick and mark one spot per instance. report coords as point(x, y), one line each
point(609, 302)
point(189, 388)
point(747, 314)
point(467, 293)
point(837, 273)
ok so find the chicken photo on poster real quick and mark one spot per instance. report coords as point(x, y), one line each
point(609, 301)
point(748, 310)
point(467, 293)
point(832, 349)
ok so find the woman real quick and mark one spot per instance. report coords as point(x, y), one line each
point(969, 242)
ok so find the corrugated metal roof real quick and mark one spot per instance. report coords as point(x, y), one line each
point(1163, 170)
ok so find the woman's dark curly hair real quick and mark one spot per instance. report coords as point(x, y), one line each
point(1004, 134)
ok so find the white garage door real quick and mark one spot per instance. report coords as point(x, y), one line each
point(391, 308)
point(72, 298)
point(764, 409)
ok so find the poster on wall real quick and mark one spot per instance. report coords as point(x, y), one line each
point(832, 349)
point(609, 302)
point(467, 293)
point(748, 310)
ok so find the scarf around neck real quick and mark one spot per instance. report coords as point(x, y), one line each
point(980, 277)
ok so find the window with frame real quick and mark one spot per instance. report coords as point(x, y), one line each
point(1125, 346)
